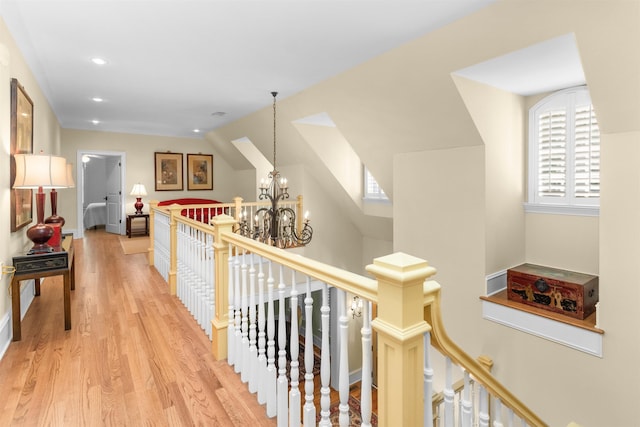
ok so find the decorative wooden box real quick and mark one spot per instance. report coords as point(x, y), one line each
point(565, 292)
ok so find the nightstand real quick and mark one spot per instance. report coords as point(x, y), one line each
point(138, 231)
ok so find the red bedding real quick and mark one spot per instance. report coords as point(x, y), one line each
point(201, 215)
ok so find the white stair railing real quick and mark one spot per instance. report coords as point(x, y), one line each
point(161, 244)
point(195, 273)
point(277, 379)
point(247, 273)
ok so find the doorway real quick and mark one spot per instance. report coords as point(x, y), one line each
point(108, 190)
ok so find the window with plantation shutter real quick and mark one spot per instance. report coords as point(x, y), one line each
point(371, 188)
point(564, 154)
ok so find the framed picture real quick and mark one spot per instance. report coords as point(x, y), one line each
point(168, 171)
point(21, 143)
point(199, 172)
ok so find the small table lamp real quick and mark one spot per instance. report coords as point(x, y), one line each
point(34, 171)
point(58, 180)
point(138, 191)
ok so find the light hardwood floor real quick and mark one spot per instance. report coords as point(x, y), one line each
point(134, 356)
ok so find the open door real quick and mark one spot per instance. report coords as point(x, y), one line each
point(114, 193)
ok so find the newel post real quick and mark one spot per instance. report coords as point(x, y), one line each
point(400, 326)
point(238, 207)
point(173, 248)
point(152, 214)
point(220, 321)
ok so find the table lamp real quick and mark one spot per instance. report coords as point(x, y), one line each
point(58, 180)
point(138, 191)
point(34, 171)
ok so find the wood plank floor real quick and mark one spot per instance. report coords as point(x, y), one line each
point(134, 355)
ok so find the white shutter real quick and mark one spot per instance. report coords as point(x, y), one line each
point(371, 188)
point(564, 152)
point(587, 153)
point(552, 153)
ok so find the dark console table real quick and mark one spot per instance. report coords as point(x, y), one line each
point(36, 266)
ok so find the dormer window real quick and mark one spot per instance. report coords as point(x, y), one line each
point(564, 154)
point(372, 190)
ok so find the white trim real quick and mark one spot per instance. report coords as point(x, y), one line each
point(27, 294)
point(80, 187)
point(576, 210)
point(496, 282)
point(562, 333)
point(5, 333)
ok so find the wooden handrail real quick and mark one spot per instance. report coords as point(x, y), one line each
point(441, 341)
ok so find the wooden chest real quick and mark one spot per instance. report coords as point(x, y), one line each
point(565, 292)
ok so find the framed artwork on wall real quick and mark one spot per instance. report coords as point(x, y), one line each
point(21, 143)
point(199, 172)
point(168, 171)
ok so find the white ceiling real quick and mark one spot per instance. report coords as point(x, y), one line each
point(176, 65)
point(550, 65)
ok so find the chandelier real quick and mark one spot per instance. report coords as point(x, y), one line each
point(275, 225)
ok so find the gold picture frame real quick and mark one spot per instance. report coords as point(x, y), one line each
point(199, 172)
point(168, 171)
point(21, 143)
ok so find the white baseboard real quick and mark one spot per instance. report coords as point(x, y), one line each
point(27, 292)
point(5, 333)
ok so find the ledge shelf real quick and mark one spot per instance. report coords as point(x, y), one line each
point(581, 335)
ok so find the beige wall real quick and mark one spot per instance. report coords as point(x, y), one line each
point(558, 383)
point(139, 151)
point(441, 149)
point(498, 116)
point(46, 137)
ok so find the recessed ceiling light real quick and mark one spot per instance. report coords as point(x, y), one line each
point(97, 99)
point(218, 113)
point(196, 130)
point(95, 122)
point(98, 61)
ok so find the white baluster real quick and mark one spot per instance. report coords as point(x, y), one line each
point(272, 408)
point(428, 380)
point(230, 315)
point(466, 405)
point(283, 404)
point(510, 417)
point(367, 356)
point(210, 279)
point(325, 360)
point(448, 396)
point(253, 350)
point(343, 380)
point(238, 314)
point(309, 418)
point(483, 415)
point(497, 412)
point(294, 349)
point(262, 342)
point(245, 320)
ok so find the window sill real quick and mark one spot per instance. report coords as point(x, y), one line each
point(562, 209)
point(581, 335)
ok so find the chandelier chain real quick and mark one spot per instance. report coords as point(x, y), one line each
point(274, 129)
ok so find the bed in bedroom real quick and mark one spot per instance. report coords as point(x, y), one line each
point(95, 214)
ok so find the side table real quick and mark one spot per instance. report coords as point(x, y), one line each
point(131, 218)
point(36, 266)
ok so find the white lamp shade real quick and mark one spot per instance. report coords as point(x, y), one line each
point(70, 182)
point(139, 190)
point(58, 172)
point(38, 170)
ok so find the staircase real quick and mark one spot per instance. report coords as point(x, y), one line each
point(256, 289)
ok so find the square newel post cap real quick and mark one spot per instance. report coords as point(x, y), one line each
point(400, 267)
point(400, 290)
